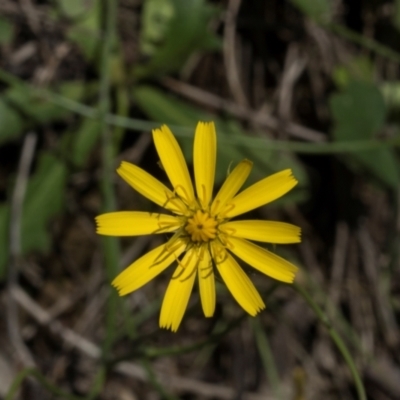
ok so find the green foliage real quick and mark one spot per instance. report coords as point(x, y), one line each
point(169, 110)
point(44, 199)
point(6, 31)
point(85, 139)
point(391, 93)
point(319, 10)
point(396, 14)
point(74, 8)
point(359, 113)
point(21, 109)
point(37, 109)
point(156, 17)
point(172, 30)
point(11, 122)
point(358, 69)
point(85, 32)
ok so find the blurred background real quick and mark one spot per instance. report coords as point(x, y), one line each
point(312, 85)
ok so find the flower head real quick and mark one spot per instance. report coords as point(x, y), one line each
point(203, 236)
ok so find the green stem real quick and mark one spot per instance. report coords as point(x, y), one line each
point(171, 351)
point(322, 317)
point(152, 352)
point(154, 382)
point(56, 391)
point(248, 142)
point(267, 357)
point(98, 384)
point(363, 41)
point(111, 246)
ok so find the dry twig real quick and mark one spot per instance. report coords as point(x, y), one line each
point(230, 57)
point(242, 112)
point(177, 383)
point(17, 202)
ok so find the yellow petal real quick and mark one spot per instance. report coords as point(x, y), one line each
point(173, 162)
point(266, 262)
point(149, 187)
point(148, 267)
point(204, 156)
point(240, 285)
point(231, 186)
point(207, 284)
point(262, 192)
point(263, 231)
point(178, 292)
point(133, 223)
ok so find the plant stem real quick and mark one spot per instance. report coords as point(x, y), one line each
point(55, 390)
point(111, 246)
point(363, 41)
point(322, 317)
point(267, 358)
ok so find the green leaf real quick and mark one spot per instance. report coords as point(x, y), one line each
point(41, 110)
point(358, 69)
point(11, 122)
point(6, 31)
point(172, 30)
point(86, 32)
point(359, 113)
point(21, 109)
point(73, 8)
point(169, 110)
point(156, 17)
point(391, 93)
point(85, 139)
point(319, 10)
point(43, 200)
point(396, 14)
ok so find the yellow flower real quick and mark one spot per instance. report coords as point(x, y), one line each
point(203, 235)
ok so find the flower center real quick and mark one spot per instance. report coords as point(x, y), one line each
point(201, 227)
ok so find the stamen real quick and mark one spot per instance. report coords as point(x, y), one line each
point(183, 266)
point(170, 247)
point(227, 231)
point(224, 239)
point(177, 202)
point(210, 268)
point(164, 227)
point(185, 194)
point(215, 206)
point(191, 272)
point(228, 207)
point(210, 273)
point(219, 254)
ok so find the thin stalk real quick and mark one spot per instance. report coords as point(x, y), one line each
point(150, 353)
point(267, 358)
point(250, 142)
point(363, 41)
point(55, 390)
point(111, 246)
point(98, 384)
point(156, 384)
point(323, 318)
